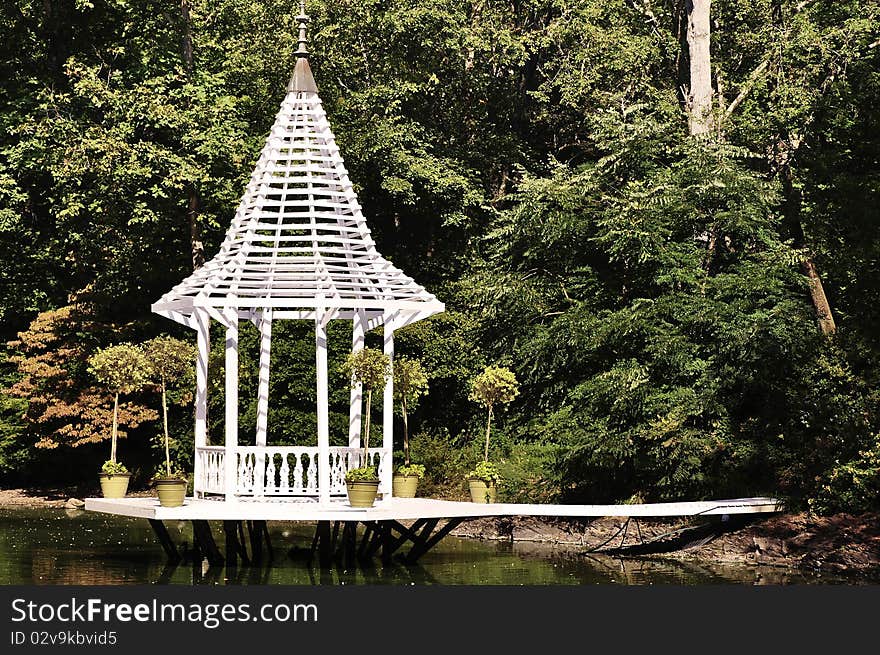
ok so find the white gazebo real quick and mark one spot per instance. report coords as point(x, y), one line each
point(298, 248)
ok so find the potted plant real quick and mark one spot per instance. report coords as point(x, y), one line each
point(370, 368)
point(483, 483)
point(171, 361)
point(170, 482)
point(410, 383)
point(405, 482)
point(123, 369)
point(495, 385)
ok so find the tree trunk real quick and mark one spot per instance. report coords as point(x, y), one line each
point(699, 99)
point(405, 431)
point(115, 424)
point(820, 300)
point(367, 424)
point(165, 426)
point(792, 212)
point(488, 427)
point(197, 247)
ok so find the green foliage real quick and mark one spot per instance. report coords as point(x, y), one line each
point(111, 467)
point(851, 486)
point(485, 471)
point(362, 474)
point(122, 368)
point(171, 360)
point(171, 364)
point(410, 381)
point(170, 472)
point(446, 462)
point(369, 367)
point(532, 472)
point(495, 385)
point(411, 469)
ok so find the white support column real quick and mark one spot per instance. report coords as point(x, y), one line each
point(265, 326)
point(356, 405)
point(388, 407)
point(231, 442)
point(323, 408)
point(203, 349)
point(263, 385)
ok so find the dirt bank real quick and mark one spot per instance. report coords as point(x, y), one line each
point(842, 543)
point(51, 496)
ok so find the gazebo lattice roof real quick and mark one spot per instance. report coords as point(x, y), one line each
point(299, 239)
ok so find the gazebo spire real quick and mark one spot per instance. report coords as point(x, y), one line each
point(302, 79)
point(303, 20)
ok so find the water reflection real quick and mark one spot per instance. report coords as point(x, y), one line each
point(54, 546)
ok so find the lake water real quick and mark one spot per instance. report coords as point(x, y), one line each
point(57, 546)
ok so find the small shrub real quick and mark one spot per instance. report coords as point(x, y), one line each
point(113, 468)
point(445, 462)
point(485, 471)
point(412, 469)
point(362, 474)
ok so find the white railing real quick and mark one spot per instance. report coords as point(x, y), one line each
point(285, 470)
point(212, 471)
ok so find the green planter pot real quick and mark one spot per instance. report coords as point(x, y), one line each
point(114, 485)
point(362, 493)
point(404, 486)
point(171, 491)
point(482, 492)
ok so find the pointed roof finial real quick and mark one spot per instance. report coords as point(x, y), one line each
point(302, 79)
point(303, 19)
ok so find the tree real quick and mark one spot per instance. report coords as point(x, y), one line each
point(123, 369)
point(699, 99)
point(171, 362)
point(370, 368)
point(494, 386)
point(65, 408)
point(410, 384)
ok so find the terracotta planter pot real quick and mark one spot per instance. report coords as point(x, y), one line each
point(482, 492)
point(404, 486)
point(114, 485)
point(362, 493)
point(171, 491)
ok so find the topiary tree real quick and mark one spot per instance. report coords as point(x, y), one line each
point(370, 368)
point(171, 362)
point(410, 384)
point(123, 369)
point(495, 385)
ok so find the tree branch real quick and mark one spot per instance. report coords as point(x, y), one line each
point(747, 87)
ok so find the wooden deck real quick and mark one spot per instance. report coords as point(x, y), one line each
point(406, 509)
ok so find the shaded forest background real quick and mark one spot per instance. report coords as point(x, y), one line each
point(671, 238)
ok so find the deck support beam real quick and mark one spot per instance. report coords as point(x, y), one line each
point(258, 533)
point(424, 545)
point(165, 539)
point(203, 542)
point(234, 544)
